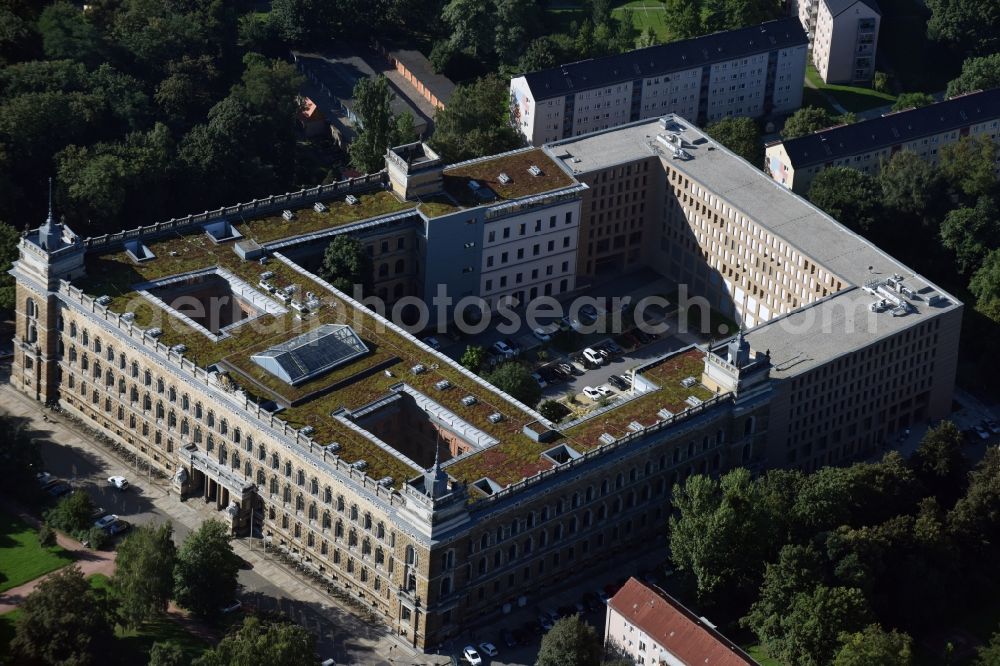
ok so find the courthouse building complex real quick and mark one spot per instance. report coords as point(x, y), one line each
point(209, 346)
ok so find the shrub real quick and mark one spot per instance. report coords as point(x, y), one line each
point(46, 536)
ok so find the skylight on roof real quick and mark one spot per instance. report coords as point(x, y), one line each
point(311, 354)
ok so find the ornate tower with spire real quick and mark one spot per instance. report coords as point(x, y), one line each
point(47, 256)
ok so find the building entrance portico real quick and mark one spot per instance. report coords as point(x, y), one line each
point(217, 485)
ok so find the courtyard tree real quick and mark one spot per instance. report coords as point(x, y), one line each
point(64, 621)
point(849, 196)
point(909, 184)
point(812, 625)
point(515, 379)
point(473, 358)
point(72, 514)
point(346, 263)
point(938, 461)
point(874, 645)
point(476, 121)
point(985, 286)
point(552, 410)
point(912, 100)
point(971, 233)
point(989, 654)
point(570, 641)
point(805, 121)
point(19, 456)
point(205, 570)
point(718, 534)
point(372, 99)
point(977, 74)
point(262, 642)
point(167, 653)
point(970, 165)
point(972, 26)
point(740, 135)
point(143, 580)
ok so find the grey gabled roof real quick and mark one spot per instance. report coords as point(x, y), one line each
point(893, 129)
point(837, 7)
point(666, 58)
point(311, 354)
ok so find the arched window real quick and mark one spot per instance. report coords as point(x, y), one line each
point(400, 266)
point(380, 531)
point(224, 427)
point(286, 494)
point(110, 354)
point(340, 503)
point(352, 538)
point(354, 512)
point(383, 270)
point(313, 511)
point(135, 370)
point(338, 530)
point(260, 477)
point(300, 478)
point(327, 495)
point(484, 541)
point(748, 426)
point(327, 520)
point(30, 308)
point(445, 586)
point(314, 486)
point(379, 556)
point(619, 481)
point(411, 556)
point(300, 502)
point(273, 488)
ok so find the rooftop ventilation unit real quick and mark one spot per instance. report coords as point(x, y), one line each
point(504, 178)
point(103, 300)
point(385, 481)
point(688, 382)
point(154, 332)
point(607, 438)
point(128, 317)
point(419, 368)
point(288, 215)
point(351, 200)
point(469, 400)
point(442, 385)
point(360, 465)
point(635, 426)
point(694, 401)
point(665, 414)
point(495, 417)
point(319, 207)
point(474, 185)
point(307, 430)
point(179, 349)
point(535, 170)
point(267, 275)
point(332, 447)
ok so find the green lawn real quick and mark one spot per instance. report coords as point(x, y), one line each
point(645, 13)
point(852, 98)
point(22, 558)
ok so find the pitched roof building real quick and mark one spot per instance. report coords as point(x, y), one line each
point(654, 628)
point(867, 144)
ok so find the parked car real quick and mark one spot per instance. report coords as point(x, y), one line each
point(509, 639)
point(544, 622)
point(578, 366)
point(118, 527)
point(538, 378)
point(566, 368)
point(472, 656)
point(118, 482)
point(231, 607)
point(605, 390)
point(516, 348)
point(488, 649)
point(432, 342)
point(541, 334)
point(43, 478)
point(104, 521)
point(591, 393)
point(614, 348)
point(501, 348)
point(59, 488)
point(593, 356)
point(981, 432)
point(618, 382)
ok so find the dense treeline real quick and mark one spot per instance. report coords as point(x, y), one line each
point(142, 109)
point(814, 562)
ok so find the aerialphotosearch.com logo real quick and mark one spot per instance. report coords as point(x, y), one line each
point(682, 313)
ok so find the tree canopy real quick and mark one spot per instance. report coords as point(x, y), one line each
point(476, 122)
point(372, 98)
point(912, 100)
point(740, 135)
point(263, 642)
point(873, 645)
point(980, 73)
point(850, 196)
point(63, 621)
point(985, 286)
point(805, 121)
point(144, 575)
point(346, 263)
point(570, 641)
point(205, 570)
point(972, 26)
point(515, 379)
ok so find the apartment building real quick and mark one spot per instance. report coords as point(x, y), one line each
point(843, 37)
point(652, 628)
point(869, 144)
point(407, 482)
point(756, 71)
